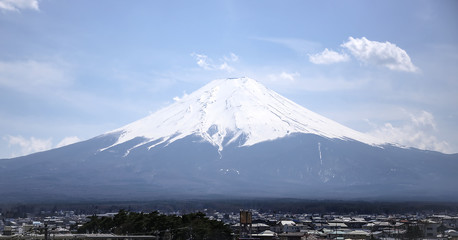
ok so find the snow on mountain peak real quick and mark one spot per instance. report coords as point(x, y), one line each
point(226, 109)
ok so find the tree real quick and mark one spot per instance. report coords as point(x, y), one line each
point(413, 232)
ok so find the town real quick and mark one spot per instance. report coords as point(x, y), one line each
point(252, 224)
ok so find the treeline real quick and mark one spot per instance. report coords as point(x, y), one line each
point(189, 226)
point(232, 205)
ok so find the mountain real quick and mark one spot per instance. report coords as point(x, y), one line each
point(224, 110)
point(231, 138)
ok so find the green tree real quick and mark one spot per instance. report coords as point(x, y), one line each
point(413, 232)
point(194, 225)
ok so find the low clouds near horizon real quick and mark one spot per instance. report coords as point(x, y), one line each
point(417, 131)
point(384, 54)
point(31, 145)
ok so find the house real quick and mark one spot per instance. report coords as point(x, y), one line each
point(292, 236)
point(357, 234)
point(7, 231)
point(452, 234)
point(287, 226)
point(265, 235)
point(429, 228)
point(259, 227)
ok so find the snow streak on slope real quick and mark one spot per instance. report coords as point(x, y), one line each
point(226, 109)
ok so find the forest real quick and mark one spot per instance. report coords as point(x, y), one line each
point(188, 226)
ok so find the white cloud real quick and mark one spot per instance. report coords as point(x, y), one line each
point(328, 57)
point(30, 75)
point(67, 141)
point(30, 145)
point(177, 98)
point(207, 63)
point(381, 54)
point(418, 131)
point(17, 5)
point(202, 61)
point(283, 77)
point(23, 146)
point(425, 119)
point(224, 66)
point(232, 58)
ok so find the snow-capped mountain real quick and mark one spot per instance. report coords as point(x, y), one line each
point(230, 138)
point(223, 110)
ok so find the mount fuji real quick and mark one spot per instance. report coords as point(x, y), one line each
point(232, 137)
point(224, 110)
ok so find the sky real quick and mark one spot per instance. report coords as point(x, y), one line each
point(71, 70)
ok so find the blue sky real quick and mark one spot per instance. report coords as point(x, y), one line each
point(71, 70)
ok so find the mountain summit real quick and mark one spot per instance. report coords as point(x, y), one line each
point(230, 138)
point(224, 110)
